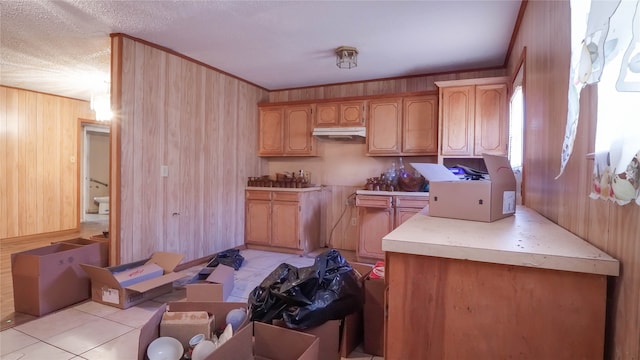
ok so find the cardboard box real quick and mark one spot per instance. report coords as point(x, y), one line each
point(268, 342)
point(478, 200)
point(183, 325)
point(106, 289)
point(217, 310)
point(328, 335)
point(351, 332)
point(217, 286)
point(373, 316)
point(50, 278)
point(138, 274)
point(102, 244)
point(338, 338)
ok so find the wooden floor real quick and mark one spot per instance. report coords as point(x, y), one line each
point(10, 246)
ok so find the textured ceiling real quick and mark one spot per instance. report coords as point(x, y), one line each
point(63, 47)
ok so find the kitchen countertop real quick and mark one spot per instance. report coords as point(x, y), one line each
point(526, 239)
point(392, 193)
point(314, 188)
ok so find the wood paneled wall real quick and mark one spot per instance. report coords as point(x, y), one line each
point(202, 125)
point(39, 170)
point(545, 32)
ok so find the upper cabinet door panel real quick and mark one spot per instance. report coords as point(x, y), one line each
point(327, 115)
point(420, 125)
point(457, 119)
point(492, 123)
point(384, 128)
point(271, 131)
point(352, 114)
point(298, 129)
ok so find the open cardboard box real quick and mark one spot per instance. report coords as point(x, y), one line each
point(106, 289)
point(50, 278)
point(217, 286)
point(102, 244)
point(253, 341)
point(478, 200)
point(268, 342)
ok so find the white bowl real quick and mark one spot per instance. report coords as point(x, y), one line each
point(203, 349)
point(165, 348)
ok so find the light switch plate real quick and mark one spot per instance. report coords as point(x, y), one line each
point(164, 170)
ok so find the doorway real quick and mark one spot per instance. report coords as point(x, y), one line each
point(95, 173)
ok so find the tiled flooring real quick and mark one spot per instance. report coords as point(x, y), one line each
point(99, 332)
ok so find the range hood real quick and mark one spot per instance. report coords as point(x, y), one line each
point(341, 133)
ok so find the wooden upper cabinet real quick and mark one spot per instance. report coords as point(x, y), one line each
point(403, 126)
point(327, 115)
point(385, 126)
point(298, 126)
point(271, 132)
point(352, 113)
point(340, 114)
point(286, 131)
point(457, 118)
point(473, 117)
point(492, 120)
point(420, 125)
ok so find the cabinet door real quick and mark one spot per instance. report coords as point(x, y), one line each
point(285, 231)
point(457, 118)
point(403, 214)
point(297, 129)
point(327, 115)
point(258, 222)
point(352, 113)
point(384, 128)
point(491, 120)
point(420, 125)
point(271, 126)
point(374, 224)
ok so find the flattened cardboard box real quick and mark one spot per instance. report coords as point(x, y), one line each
point(50, 278)
point(106, 289)
point(217, 310)
point(478, 200)
point(373, 316)
point(217, 287)
point(351, 334)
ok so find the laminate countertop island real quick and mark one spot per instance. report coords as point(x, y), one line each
point(521, 287)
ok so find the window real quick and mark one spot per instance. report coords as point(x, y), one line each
point(516, 128)
point(605, 38)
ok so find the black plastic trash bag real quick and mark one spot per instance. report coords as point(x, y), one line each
point(309, 296)
point(229, 257)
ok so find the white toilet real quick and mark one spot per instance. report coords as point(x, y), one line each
point(103, 204)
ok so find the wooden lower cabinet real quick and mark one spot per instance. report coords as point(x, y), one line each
point(287, 221)
point(439, 308)
point(375, 223)
point(378, 215)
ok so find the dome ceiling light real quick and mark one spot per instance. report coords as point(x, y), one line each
point(346, 57)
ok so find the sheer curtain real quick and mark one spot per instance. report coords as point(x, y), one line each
point(605, 37)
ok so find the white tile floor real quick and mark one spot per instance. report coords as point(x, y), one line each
point(94, 331)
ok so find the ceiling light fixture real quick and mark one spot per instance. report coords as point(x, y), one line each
point(346, 57)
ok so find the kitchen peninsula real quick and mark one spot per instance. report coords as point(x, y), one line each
point(521, 287)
